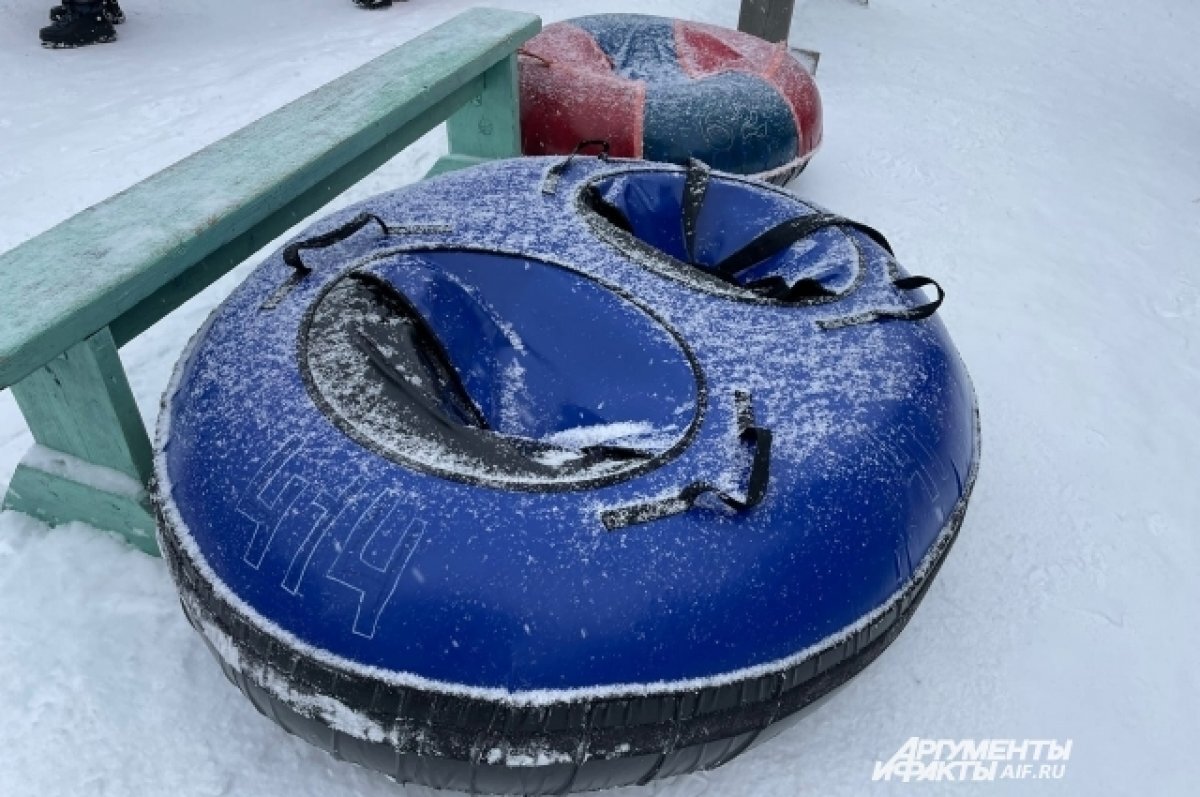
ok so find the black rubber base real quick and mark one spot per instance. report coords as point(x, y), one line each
point(485, 746)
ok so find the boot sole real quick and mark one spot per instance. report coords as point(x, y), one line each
point(64, 46)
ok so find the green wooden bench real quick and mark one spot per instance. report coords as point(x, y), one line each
point(72, 296)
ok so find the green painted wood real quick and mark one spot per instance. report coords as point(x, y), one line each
point(80, 404)
point(489, 126)
point(453, 162)
point(55, 499)
point(124, 264)
point(211, 268)
point(97, 266)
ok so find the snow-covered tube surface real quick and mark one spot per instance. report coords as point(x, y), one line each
point(669, 90)
point(559, 474)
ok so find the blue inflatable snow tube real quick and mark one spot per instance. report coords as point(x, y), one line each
point(557, 474)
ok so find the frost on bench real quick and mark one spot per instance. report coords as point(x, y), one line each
point(76, 293)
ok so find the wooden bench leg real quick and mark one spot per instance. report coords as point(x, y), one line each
point(767, 19)
point(92, 459)
point(489, 125)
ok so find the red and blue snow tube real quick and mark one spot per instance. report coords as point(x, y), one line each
point(669, 90)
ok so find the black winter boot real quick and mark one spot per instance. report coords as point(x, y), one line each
point(112, 12)
point(82, 22)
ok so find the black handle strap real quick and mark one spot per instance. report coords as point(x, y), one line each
point(750, 433)
point(425, 347)
point(291, 254)
point(907, 314)
point(922, 310)
point(695, 189)
point(555, 172)
point(767, 244)
point(786, 233)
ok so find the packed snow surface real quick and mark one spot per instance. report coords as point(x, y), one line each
point(1038, 159)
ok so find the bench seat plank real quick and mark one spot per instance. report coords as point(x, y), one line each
point(73, 295)
point(81, 276)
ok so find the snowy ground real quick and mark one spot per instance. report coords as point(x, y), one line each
point(1038, 158)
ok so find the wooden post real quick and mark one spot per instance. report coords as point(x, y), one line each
point(489, 125)
point(93, 457)
point(767, 19)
